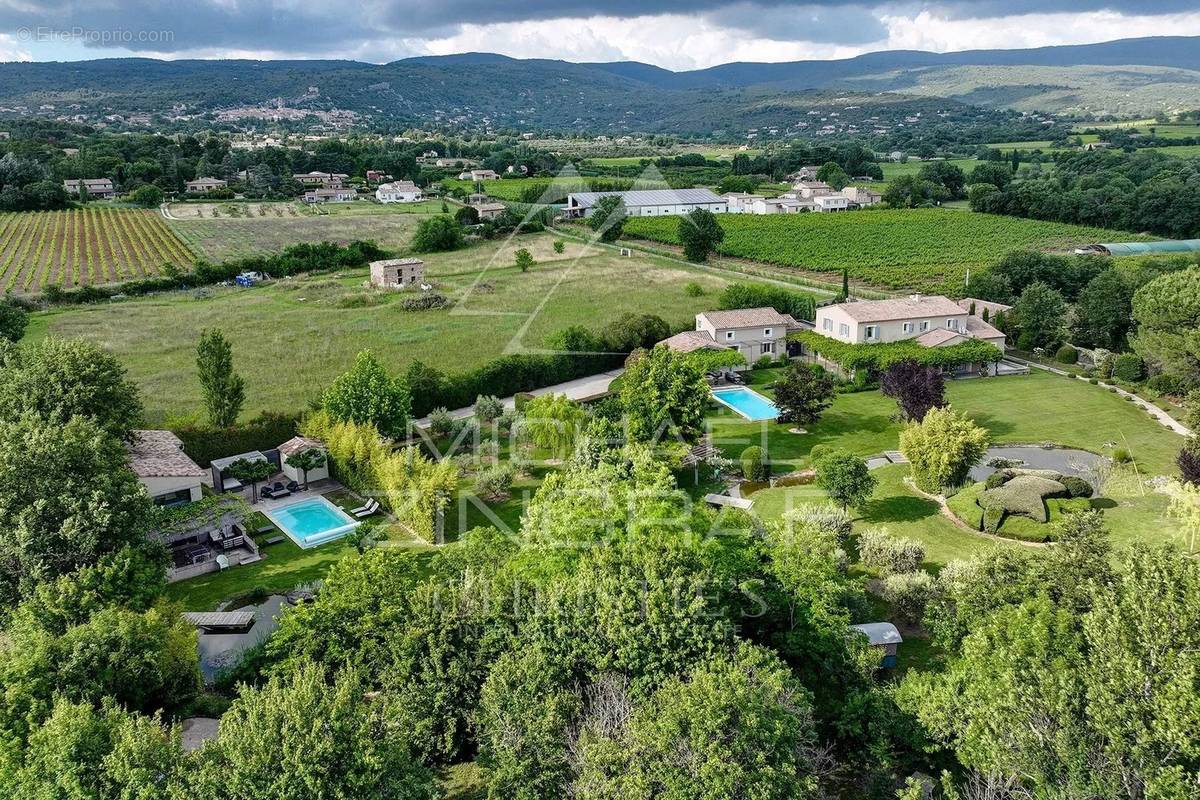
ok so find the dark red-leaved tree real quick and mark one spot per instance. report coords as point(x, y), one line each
point(916, 388)
point(1189, 461)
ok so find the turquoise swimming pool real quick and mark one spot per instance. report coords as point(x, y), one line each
point(747, 402)
point(311, 522)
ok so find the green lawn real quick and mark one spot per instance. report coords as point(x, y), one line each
point(1020, 409)
point(293, 337)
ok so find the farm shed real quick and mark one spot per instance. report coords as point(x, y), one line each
point(1141, 248)
point(884, 636)
point(395, 273)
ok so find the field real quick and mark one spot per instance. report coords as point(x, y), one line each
point(901, 249)
point(210, 230)
point(1178, 151)
point(292, 337)
point(84, 246)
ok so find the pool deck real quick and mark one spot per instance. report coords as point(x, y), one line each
point(315, 489)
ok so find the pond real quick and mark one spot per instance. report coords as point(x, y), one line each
point(801, 479)
point(221, 650)
point(1060, 459)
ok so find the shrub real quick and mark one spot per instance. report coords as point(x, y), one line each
point(800, 305)
point(997, 479)
point(425, 302)
point(13, 320)
point(1122, 456)
point(908, 594)
point(754, 464)
point(437, 234)
point(890, 554)
point(764, 362)
point(1189, 461)
point(942, 448)
point(494, 482)
point(521, 399)
point(693, 289)
point(1076, 486)
point(559, 246)
point(1067, 355)
point(488, 408)
point(1129, 367)
point(1167, 384)
point(823, 516)
point(441, 423)
point(1024, 495)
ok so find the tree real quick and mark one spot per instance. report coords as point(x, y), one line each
point(996, 173)
point(803, 394)
point(148, 196)
point(832, 173)
point(251, 471)
point(552, 421)
point(1167, 310)
point(630, 331)
point(1188, 460)
point(223, 390)
point(845, 478)
point(81, 751)
point(608, 217)
point(304, 737)
point(915, 387)
point(1103, 312)
point(737, 183)
point(306, 461)
point(67, 498)
point(523, 260)
point(1040, 315)
point(661, 390)
point(367, 394)
point(944, 174)
point(13, 320)
point(748, 701)
point(700, 234)
point(437, 234)
point(62, 378)
point(987, 285)
point(942, 448)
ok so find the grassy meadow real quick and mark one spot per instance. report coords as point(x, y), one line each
point(269, 227)
point(293, 336)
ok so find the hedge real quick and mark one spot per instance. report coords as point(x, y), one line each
point(800, 305)
point(878, 357)
point(265, 432)
point(293, 260)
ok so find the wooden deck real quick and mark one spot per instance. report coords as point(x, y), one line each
point(727, 501)
point(220, 620)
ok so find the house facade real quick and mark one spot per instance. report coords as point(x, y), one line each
point(201, 185)
point(330, 195)
point(170, 476)
point(101, 188)
point(650, 202)
point(328, 180)
point(478, 175)
point(398, 192)
point(753, 332)
point(932, 320)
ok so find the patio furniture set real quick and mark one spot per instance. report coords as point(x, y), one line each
point(278, 490)
point(723, 376)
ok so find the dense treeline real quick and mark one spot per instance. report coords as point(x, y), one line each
point(1144, 191)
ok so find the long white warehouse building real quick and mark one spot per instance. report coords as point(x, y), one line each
point(650, 202)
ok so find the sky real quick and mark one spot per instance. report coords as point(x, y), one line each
point(675, 34)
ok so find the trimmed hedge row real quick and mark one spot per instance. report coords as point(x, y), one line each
point(878, 357)
point(265, 432)
point(293, 260)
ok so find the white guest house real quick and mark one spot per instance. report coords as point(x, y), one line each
point(753, 332)
point(398, 192)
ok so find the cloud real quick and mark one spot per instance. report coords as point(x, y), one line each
point(670, 33)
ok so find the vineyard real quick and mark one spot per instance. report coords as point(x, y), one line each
point(84, 246)
point(929, 249)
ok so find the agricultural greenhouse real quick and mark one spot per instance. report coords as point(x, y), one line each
point(1142, 248)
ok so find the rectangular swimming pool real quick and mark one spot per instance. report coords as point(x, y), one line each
point(747, 402)
point(311, 522)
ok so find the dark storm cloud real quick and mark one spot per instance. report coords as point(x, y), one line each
point(327, 26)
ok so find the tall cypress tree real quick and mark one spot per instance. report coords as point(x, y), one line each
point(223, 389)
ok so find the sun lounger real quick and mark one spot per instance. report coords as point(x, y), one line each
point(367, 510)
point(273, 540)
point(363, 507)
